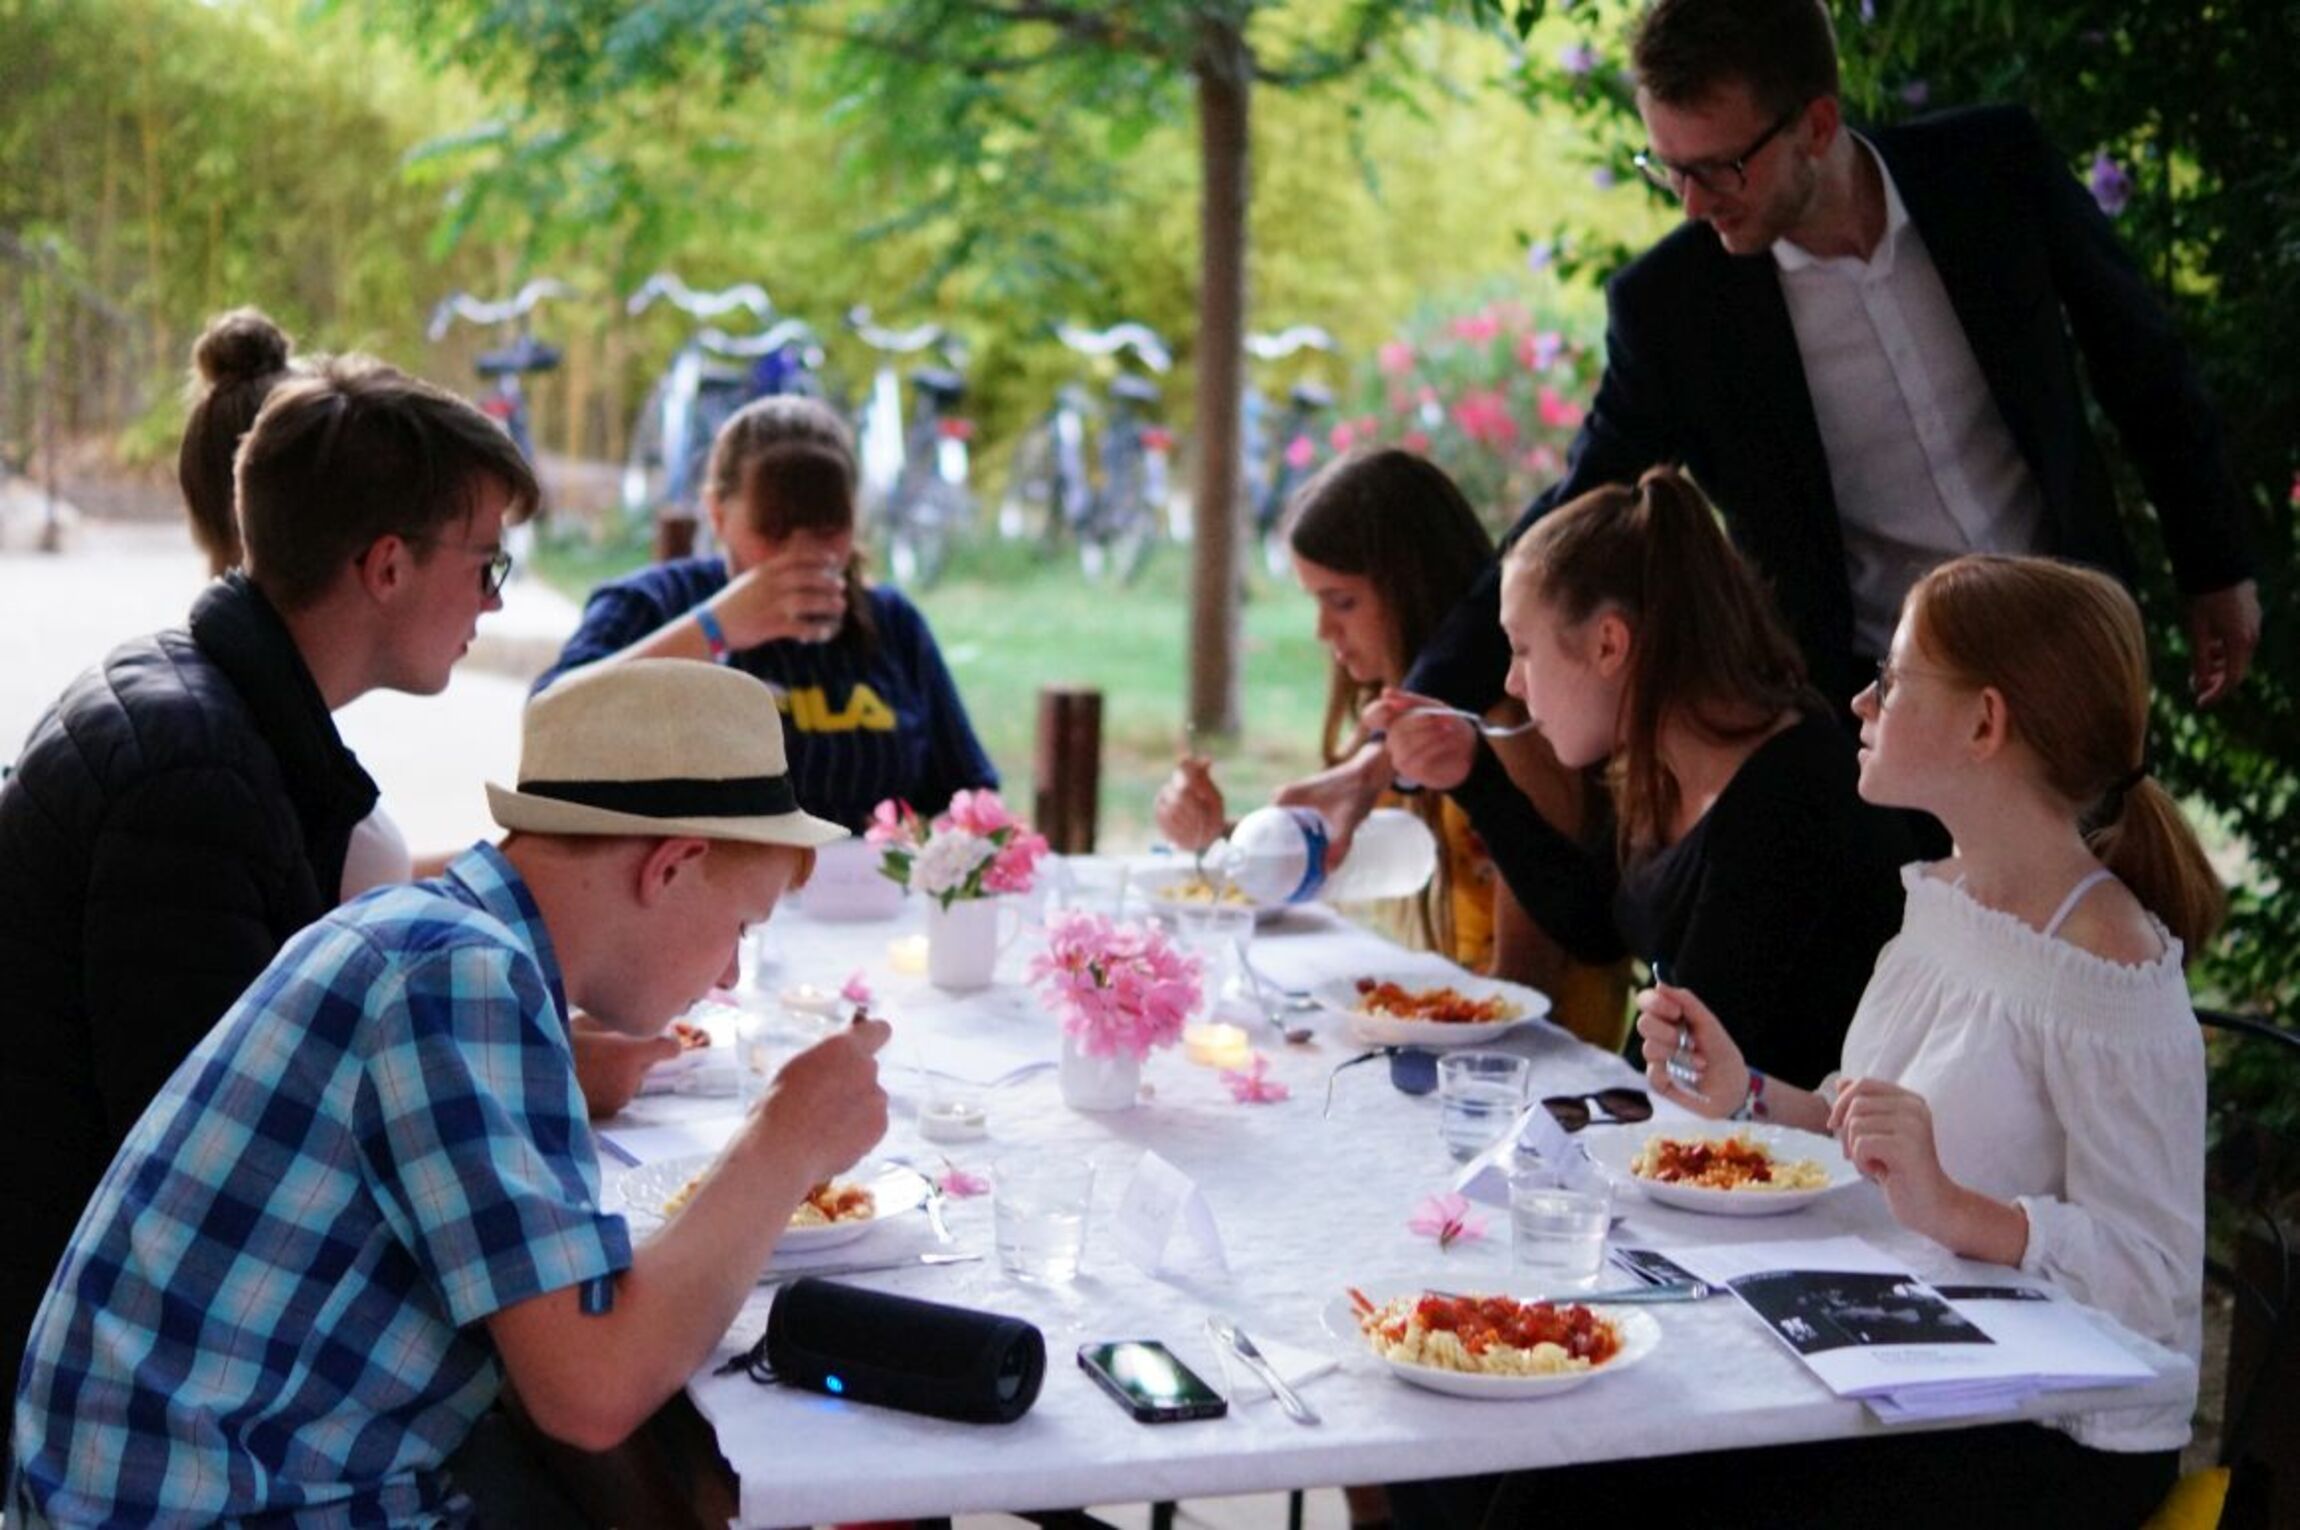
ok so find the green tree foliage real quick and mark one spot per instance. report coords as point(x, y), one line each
point(2179, 116)
point(178, 159)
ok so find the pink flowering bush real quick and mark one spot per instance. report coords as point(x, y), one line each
point(1491, 388)
point(974, 850)
point(1119, 989)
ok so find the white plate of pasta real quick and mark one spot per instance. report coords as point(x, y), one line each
point(1428, 1009)
point(1724, 1168)
point(838, 1211)
point(1488, 1345)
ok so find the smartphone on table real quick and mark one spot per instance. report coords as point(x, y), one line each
point(1149, 1382)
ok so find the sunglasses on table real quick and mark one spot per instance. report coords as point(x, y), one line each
point(1571, 1111)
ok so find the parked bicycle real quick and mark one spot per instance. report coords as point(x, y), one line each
point(1113, 523)
point(522, 355)
point(504, 369)
point(915, 475)
point(712, 375)
point(1276, 457)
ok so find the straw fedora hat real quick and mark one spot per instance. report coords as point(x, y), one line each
point(657, 746)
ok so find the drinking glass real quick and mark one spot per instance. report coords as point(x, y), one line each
point(1557, 1227)
point(1038, 1211)
point(1479, 1095)
point(1216, 933)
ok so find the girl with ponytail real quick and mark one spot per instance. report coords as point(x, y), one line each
point(2024, 1077)
point(1743, 862)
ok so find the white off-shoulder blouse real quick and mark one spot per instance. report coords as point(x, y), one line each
point(2067, 1083)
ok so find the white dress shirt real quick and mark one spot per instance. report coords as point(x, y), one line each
point(2071, 1085)
point(1920, 460)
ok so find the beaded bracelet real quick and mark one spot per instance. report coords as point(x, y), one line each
point(714, 635)
point(1752, 1106)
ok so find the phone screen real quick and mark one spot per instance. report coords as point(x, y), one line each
point(1154, 1386)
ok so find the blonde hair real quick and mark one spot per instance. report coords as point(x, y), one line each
point(2063, 645)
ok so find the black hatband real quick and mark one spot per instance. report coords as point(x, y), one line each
point(676, 796)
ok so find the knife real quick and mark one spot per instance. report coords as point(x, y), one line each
point(1622, 1296)
point(865, 1266)
point(1227, 1332)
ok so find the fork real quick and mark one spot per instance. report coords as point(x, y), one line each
point(1490, 730)
point(1680, 1067)
point(934, 1199)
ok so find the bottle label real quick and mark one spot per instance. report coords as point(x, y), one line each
point(1315, 838)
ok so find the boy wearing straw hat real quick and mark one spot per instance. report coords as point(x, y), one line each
point(371, 1196)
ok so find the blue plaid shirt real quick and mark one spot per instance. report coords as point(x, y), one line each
point(269, 1310)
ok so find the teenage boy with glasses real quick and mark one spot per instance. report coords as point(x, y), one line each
point(187, 805)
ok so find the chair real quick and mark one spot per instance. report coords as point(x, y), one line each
point(2228, 1493)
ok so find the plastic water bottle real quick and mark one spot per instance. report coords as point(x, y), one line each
point(1278, 855)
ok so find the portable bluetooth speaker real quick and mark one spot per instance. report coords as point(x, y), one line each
point(897, 1352)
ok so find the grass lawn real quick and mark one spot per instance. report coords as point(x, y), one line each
point(1010, 623)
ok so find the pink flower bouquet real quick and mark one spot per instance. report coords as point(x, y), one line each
point(974, 850)
point(1120, 989)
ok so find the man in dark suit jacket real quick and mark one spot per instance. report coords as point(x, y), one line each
point(1964, 434)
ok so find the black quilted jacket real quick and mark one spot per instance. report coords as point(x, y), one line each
point(181, 811)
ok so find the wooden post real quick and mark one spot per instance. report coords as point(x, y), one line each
point(1069, 767)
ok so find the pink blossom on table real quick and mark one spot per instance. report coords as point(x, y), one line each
point(1301, 452)
point(978, 813)
point(1557, 411)
point(1119, 989)
point(856, 989)
point(1447, 1218)
point(959, 1184)
point(1015, 866)
point(1396, 358)
point(1248, 1086)
point(893, 821)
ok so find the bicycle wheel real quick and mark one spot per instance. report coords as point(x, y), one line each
point(1029, 500)
point(921, 530)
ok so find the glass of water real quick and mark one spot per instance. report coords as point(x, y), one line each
point(1038, 1209)
point(1557, 1225)
point(1479, 1095)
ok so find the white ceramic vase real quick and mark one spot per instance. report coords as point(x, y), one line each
point(1111, 1082)
point(964, 941)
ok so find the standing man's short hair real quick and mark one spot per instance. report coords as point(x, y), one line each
point(1785, 51)
point(357, 450)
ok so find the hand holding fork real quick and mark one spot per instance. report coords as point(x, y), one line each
point(1688, 1055)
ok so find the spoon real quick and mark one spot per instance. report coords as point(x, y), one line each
point(1295, 1035)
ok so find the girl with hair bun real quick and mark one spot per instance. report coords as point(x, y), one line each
point(236, 362)
point(2024, 1078)
point(1744, 863)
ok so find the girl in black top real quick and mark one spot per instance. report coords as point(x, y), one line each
point(1744, 863)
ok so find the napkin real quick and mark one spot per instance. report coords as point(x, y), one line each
point(1165, 1226)
point(1298, 1365)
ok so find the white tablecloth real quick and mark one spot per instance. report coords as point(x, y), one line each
point(1305, 1206)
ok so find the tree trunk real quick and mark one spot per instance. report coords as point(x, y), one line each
point(1224, 73)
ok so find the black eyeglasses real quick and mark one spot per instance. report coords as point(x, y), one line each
point(1571, 1111)
point(1711, 174)
point(492, 574)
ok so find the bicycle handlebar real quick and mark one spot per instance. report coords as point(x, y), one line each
point(1301, 337)
point(462, 305)
point(1109, 342)
point(702, 305)
point(900, 341)
point(764, 343)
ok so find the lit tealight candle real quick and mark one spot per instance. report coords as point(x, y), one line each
point(807, 999)
point(907, 955)
point(1216, 1046)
